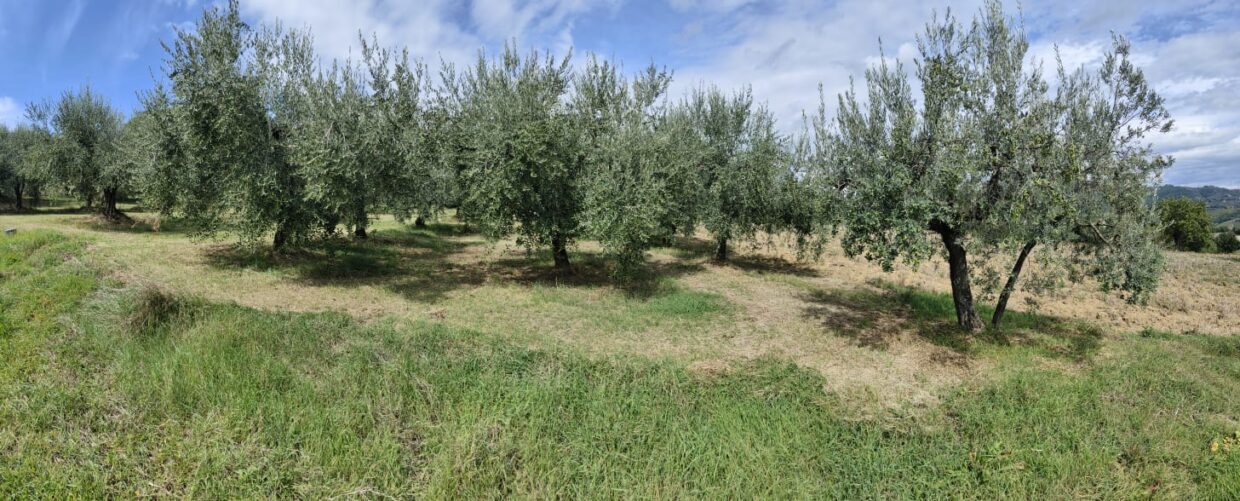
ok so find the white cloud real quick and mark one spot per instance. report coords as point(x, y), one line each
point(785, 51)
point(423, 26)
point(716, 6)
point(431, 29)
point(12, 113)
point(504, 19)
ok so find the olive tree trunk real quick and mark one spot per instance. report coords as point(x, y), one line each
point(360, 221)
point(18, 189)
point(559, 251)
point(280, 239)
point(109, 210)
point(962, 291)
point(1010, 286)
point(721, 249)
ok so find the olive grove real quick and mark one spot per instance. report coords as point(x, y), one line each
point(1022, 178)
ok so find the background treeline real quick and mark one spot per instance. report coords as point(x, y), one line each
point(249, 133)
point(1187, 226)
point(1205, 219)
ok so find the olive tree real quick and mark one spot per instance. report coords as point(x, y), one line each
point(81, 132)
point(739, 156)
point(331, 147)
point(634, 169)
point(990, 162)
point(19, 173)
point(406, 168)
point(524, 166)
point(232, 102)
point(10, 181)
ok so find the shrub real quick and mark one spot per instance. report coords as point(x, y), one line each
point(1186, 224)
point(1226, 242)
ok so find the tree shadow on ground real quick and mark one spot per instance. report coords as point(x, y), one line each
point(47, 211)
point(411, 262)
point(696, 249)
point(772, 265)
point(875, 316)
point(136, 225)
point(419, 264)
point(683, 247)
point(589, 269)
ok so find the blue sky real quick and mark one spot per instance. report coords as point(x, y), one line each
point(784, 49)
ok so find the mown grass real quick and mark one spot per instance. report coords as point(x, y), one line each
point(122, 393)
point(933, 316)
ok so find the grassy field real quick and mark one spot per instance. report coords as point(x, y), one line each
point(432, 363)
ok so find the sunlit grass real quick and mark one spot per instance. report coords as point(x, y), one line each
point(126, 392)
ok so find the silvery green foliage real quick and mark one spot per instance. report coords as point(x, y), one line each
point(233, 99)
point(634, 176)
point(9, 161)
point(806, 193)
point(1114, 231)
point(447, 139)
point(334, 147)
point(740, 157)
point(21, 168)
point(12, 183)
point(405, 170)
point(160, 154)
point(990, 162)
point(524, 167)
point(82, 131)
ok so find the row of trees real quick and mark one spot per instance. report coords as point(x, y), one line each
point(247, 133)
point(75, 144)
point(251, 136)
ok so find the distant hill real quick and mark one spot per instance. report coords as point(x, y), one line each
point(1214, 196)
point(1222, 204)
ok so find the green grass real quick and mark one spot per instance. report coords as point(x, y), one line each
point(122, 392)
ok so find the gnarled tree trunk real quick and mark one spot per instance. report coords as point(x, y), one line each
point(280, 238)
point(18, 189)
point(559, 251)
point(419, 222)
point(1010, 286)
point(360, 221)
point(329, 226)
point(109, 210)
point(962, 291)
point(721, 249)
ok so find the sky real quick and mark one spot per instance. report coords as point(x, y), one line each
point(1189, 49)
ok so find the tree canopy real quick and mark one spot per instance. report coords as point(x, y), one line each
point(989, 161)
point(739, 155)
point(81, 134)
point(20, 172)
point(524, 169)
point(1186, 225)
